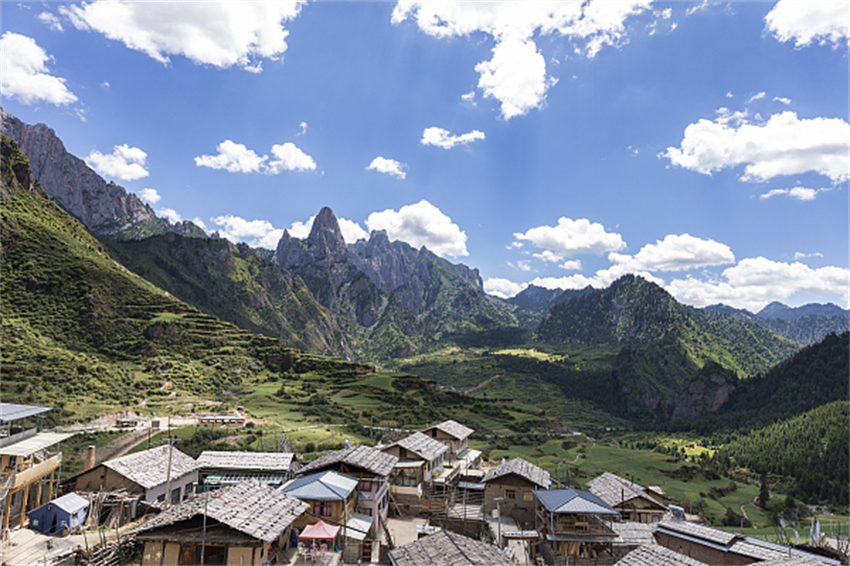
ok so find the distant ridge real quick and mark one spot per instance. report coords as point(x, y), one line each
point(784, 312)
point(807, 324)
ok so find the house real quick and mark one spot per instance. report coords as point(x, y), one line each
point(654, 555)
point(63, 513)
point(220, 469)
point(330, 495)
point(232, 526)
point(370, 466)
point(420, 462)
point(717, 547)
point(446, 548)
point(460, 458)
point(129, 422)
point(232, 420)
point(511, 485)
point(634, 501)
point(144, 473)
point(28, 457)
point(575, 524)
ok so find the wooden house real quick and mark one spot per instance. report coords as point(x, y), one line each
point(28, 462)
point(233, 526)
point(512, 486)
point(575, 524)
point(634, 501)
point(420, 462)
point(233, 420)
point(453, 434)
point(330, 495)
point(217, 469)
point(721, 548)
point(144, 473)
point(446, 548)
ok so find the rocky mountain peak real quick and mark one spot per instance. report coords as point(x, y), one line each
point(326, 239)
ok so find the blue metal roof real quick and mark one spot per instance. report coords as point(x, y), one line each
point(323, 486)
point(573, 501)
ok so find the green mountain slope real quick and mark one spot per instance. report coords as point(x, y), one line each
point(235, 284)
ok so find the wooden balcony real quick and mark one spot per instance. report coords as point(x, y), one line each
point(23, 477)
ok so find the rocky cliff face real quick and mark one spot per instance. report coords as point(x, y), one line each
point(105, 208)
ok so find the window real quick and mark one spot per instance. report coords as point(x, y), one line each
point(175, 496)
point(161, 498)
point(365, 485)
point(527, 496)
point(188, 490)
point(323, 508)
point(510, 494)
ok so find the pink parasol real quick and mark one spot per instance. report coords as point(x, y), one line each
point(319, 531)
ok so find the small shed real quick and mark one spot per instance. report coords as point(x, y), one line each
point(66, 512)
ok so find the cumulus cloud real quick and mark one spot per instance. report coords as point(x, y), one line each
point(572, 237)
point(50, 20)
point(796, 193)
point(289, 158)
point(755, 282)
point(421, 224)
point(199, 223)
point(388, 166)
point(571, 265)
point(549, 256)
point(783, 145)
point(125, 163)
point(351, 230)
point(572, 282)
point(237, 158)
point(503, 288)
point(221, 34)
point(675, 253)
point(516, 73)
point(444, 139)
point(807, 22)
point(171, 214)
point(25, 76)
point(149, 195)
point(256, 233)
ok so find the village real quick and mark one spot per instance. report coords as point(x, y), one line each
point(425, 499)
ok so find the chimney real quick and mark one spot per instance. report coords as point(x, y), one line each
point(90, 458)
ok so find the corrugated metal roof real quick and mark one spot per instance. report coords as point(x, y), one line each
point(150, 467)
point(259, 461)
point(322, 486)
point(250, 507)
point(357, 526)
point(534, 474)
point(12, 411)
point(573, 501)
point(35, 443)
point(361, 456)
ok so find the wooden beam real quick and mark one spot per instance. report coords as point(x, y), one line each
point(24, 504)
point(8, 509)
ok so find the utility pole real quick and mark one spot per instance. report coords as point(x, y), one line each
point(168, 479)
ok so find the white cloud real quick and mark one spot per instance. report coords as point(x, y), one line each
point(572, 282)
point(633, 150)
point(469, 97)
point(50, 20)
point(523, 265)
point(758, 96)
point(221, 34)
point(149, 195)
point(199, 223)
point(514, 245)
point(755, 282)
point(805, 22)
point(675, 253)
point(171, 214)
point(784, 145)
point(236, 158)
point(25, 76)
point(801, 255)
point(796, 193)
point(388, 166)
point(421, 224)
point(516, 74)
point(573, 237)
point(256, 233)
point(289, 158)
point(125, 163)
point(729, 94)
point(302, 129)
point(351, 230)
point(699, 7)
point(444, 139)
point(782, 99)
point(572, 265)
point(549, 256)
point(503, 288)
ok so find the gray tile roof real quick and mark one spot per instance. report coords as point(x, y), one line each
point(534, 474)
point(573, 501)
point(632, 533)
point(699, 531)
point(423, 446)
point(150, 468)
point(615, 490)
point(250, 507)
point(365, 457)
point(449, 549)
point(257, 461)
point(792, 561)
point(453, 428)
point(655, 555)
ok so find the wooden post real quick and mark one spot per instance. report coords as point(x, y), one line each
point(38, 492)
point(50, 491)
point(8, 510)
point(24, 504)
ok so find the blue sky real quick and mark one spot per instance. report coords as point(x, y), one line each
point(704, 145)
